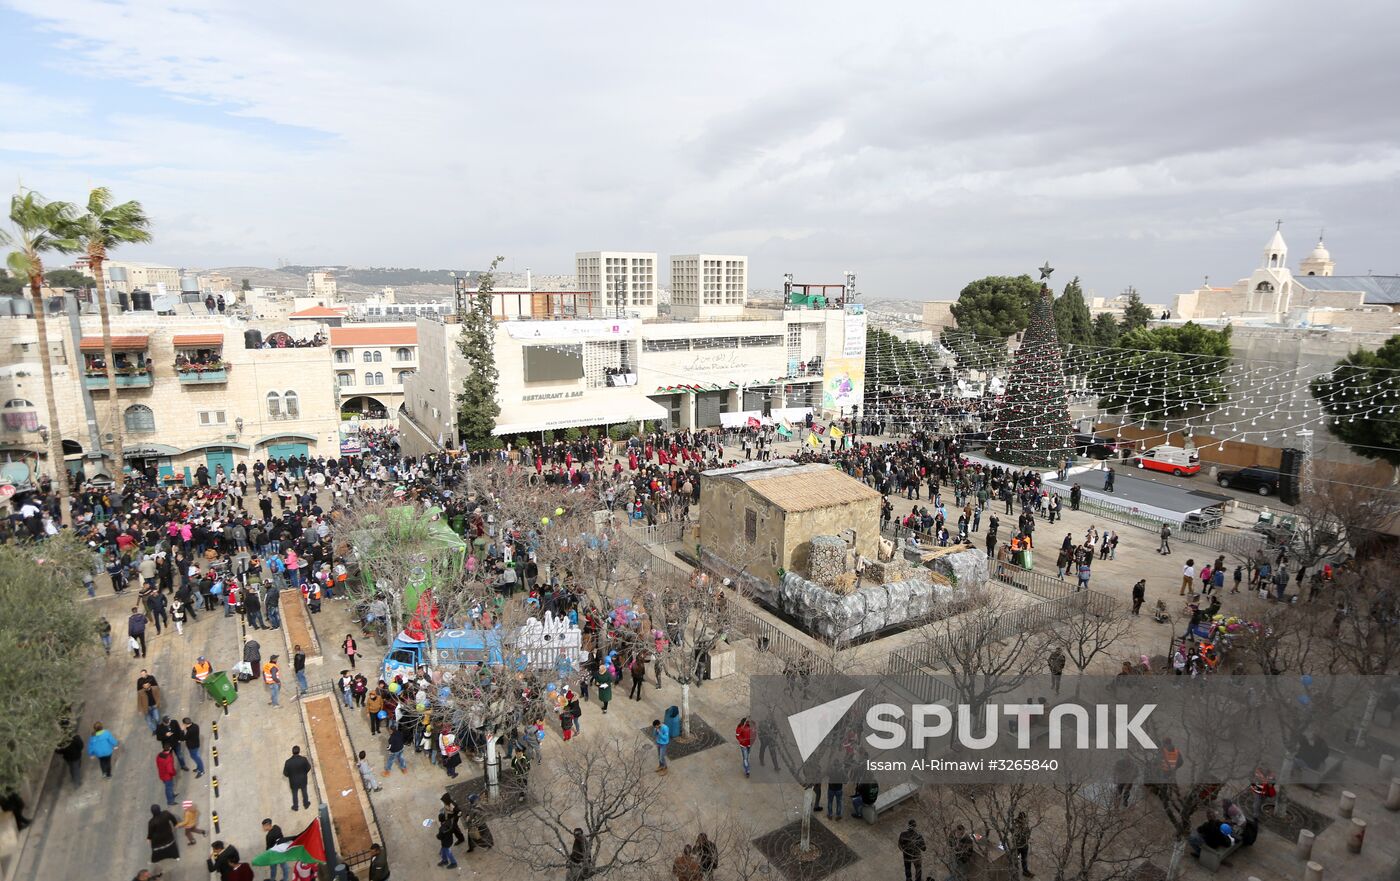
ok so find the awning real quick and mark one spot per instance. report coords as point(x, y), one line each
point(198, 340)
point(119, 343)
point(600, 410)
point(147, 450)
point(285, 435)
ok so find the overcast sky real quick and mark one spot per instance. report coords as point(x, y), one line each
point(921, 145)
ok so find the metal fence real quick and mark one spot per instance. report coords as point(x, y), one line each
point(658, 533)
point(910, 668)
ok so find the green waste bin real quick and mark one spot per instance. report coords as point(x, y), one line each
point(220, 688)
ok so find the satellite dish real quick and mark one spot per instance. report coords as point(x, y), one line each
point(165, 303)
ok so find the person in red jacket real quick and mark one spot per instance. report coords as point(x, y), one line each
point(165, 770)
point(744, 734)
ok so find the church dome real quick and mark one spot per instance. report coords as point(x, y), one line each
point(1320, 252)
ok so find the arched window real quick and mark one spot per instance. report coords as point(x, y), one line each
point(404, 354)
point(274, 404)
point(345, 379)
point(342, 356)
point(139, 419)
point(291, 404)
point(378, 356)
point(1265, 288)
point(378, 379)
point(368, 357)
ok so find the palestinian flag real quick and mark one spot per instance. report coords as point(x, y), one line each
point(308, 847)
point(784, 430)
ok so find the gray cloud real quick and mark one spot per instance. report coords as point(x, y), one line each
point(919, 146)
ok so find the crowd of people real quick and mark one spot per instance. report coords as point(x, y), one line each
point(234, 541)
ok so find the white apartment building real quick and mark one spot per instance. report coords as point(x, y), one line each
point(623, 283)
point(709, 285)
point(560, 374)
point(191, 392)
point(371, 364)
point(125, 276)
point(321, 286)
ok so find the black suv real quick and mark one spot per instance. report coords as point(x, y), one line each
point(1256, 478)
point(1095, 447)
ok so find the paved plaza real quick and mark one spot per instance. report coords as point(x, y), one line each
point(102, 822)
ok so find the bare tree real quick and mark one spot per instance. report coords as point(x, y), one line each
point(989, 651)
point(1092, 838)
point(604, 789)
point(1363, 633)
point(1089, 630)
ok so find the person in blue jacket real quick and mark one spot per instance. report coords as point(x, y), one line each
point(101, 745)
point(662, 735)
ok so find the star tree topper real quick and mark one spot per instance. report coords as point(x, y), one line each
point(1046, 270)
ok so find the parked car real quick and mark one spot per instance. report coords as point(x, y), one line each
point(1095, 447)
point(1175, 461)
point(1255, 478)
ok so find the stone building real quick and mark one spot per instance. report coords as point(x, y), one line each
point(191, 391)
point(764, 516)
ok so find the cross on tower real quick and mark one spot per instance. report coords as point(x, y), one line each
point(1278, 224)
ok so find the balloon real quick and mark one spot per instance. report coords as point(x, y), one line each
point(544, 521)
point(393, 688)
point(558, 512)
point(1304, 699)
point(1306, 680)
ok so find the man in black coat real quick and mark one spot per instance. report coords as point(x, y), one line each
point(296, 769)
point(911, 848)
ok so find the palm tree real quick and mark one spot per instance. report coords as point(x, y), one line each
point(43, 226)
point(104, 227)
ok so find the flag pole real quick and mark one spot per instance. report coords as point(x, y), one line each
point(333, 867)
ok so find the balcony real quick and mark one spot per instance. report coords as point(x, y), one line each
point(202, 374)
point(127, 377)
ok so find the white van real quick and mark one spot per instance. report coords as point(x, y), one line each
point(1173, 460)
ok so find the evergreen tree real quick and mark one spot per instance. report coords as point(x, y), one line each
point(1106, 330)
point(1137, 313)
point(1032, 426)
point(477, 407)
point(995, 306)
point(1357, 392)
point(1073, 323)
point(246, 285)
point(1165, 372)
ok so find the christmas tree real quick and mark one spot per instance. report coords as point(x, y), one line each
point(1032, 425)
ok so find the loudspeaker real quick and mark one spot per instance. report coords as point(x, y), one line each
point(1289, 469)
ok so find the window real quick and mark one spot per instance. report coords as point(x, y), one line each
point(342, 356)
point(369, 378)
point(368, 357)
point(211, 417)
point(345, 379)
point(404, 354)
point(404, 374)
point(291, 405)
point(378, 379)
point(750, 525)
point(274, 404)
point(18, 404)
point(378, 356)
point(139, 419)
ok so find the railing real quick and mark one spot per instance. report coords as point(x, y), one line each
point(912, 667)
point(659, 533)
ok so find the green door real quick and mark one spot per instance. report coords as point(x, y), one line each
point(215, 458)
point(287, 450)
